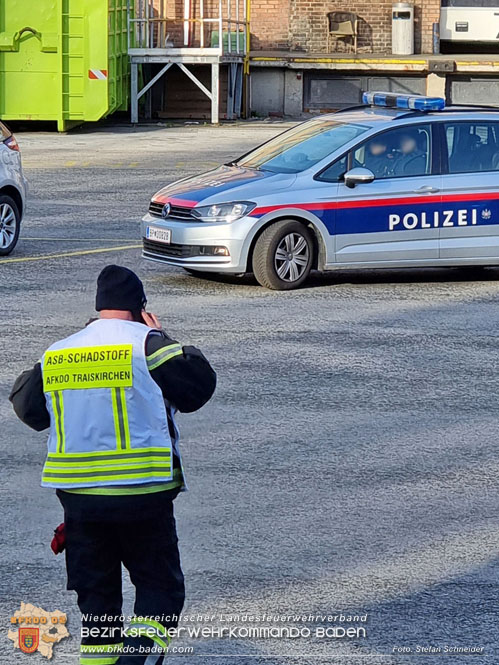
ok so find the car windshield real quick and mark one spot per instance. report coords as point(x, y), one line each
point(302, 147)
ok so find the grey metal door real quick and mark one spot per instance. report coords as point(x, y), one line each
point(470, 191)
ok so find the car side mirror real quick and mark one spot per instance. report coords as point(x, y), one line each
point(358, 176)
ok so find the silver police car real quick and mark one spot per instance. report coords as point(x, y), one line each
point(401, 181)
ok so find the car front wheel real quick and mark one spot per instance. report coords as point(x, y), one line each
point(10, 223)
point(283, 255)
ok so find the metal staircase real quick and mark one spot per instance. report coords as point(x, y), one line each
point(208, 32)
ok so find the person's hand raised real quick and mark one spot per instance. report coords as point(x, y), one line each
point(151, 320)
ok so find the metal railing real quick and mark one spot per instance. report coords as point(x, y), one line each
point(150, 27)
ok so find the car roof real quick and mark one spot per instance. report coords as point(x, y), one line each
point(374, 115)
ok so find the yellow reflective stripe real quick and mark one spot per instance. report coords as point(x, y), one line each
point(57, 421)
point(142, 627)
point(99, 464)
point(68, 471)
point(163, 355)
point(131, 490)
point(163, 359)
point(144, 631)
point(82, 456)
point(99, 660)
point(117, 418)
point(152, 623)
point(63, 432)
point(153, 488)
point(58, 409)
point(124, 411)
point(124, 476)
point(120, 413)
point(163, 349)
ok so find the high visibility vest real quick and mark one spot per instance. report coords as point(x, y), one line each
point(108, 418)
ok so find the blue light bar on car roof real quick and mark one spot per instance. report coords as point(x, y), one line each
point(408, 102)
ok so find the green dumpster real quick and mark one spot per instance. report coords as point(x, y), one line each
point(215, 41)
point(63, 60)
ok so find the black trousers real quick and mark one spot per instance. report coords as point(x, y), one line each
point(145, 542)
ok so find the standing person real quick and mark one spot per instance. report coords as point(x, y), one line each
point(109, 395)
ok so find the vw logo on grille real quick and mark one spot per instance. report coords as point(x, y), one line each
point(166, 210)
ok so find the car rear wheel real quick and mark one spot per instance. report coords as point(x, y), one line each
point(283, 255)
point(10, 224)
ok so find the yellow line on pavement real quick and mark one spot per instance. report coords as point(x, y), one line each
point(71, 240)
point(48, 257)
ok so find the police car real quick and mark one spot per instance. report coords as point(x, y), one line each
point(401, 181)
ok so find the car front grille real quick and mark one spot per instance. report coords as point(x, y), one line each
point(176, 212)
point(156, 208)
point(173, 250)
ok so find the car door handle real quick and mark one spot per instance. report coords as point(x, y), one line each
point(426, 189)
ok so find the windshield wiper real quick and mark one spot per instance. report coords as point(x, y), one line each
point(244, 166)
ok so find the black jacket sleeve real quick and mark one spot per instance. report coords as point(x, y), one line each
point(28, 399)
point(187, 380)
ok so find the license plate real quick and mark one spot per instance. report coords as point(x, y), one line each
point(159, 235)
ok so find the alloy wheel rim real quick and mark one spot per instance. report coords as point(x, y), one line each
point(291, 257)
point(8, 225)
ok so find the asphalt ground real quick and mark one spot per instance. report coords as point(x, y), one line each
point(348, 462)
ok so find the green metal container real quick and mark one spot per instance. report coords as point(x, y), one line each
point(63, 60)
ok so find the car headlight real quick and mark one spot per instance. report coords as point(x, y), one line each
point(223, 212)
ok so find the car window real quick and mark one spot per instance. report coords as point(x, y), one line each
point(472, 146)
point(335, 171)
point(398, 153)
point(303, 146)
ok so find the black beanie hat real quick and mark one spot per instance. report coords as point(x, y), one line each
point(119, 288)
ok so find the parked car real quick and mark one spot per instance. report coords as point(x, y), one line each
point(401, 181)
point(13, 189)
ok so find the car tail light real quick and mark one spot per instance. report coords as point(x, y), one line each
point(8, 138)
point(11, 143)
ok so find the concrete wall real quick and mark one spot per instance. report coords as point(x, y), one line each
point(473, 90)
point(294, 92)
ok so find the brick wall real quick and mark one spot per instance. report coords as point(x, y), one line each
point(309, 27)
point(302, 24)
point(430, 14)
point(270, 24)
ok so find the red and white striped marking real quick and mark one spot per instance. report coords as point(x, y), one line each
point(97, 74)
